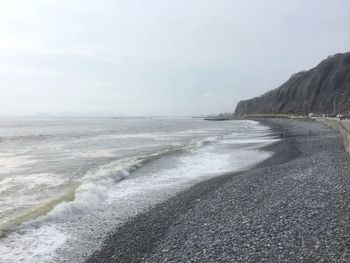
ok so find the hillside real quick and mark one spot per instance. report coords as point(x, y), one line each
point(314, 90)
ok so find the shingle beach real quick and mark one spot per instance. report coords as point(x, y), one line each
point(293, 207)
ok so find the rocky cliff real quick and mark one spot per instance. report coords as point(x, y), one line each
point(317, 90)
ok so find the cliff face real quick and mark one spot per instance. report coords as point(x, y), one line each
point(314, 91)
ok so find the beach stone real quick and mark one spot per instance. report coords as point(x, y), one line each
point(293, 207)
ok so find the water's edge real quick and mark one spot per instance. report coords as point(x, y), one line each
point(134, 239)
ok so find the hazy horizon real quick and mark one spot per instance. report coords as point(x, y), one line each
point(158, 58)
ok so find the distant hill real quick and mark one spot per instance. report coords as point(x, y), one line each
point(314, 91)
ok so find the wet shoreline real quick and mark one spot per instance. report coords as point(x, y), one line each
point(139, 238)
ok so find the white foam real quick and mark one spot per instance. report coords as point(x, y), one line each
point(93, 189)
point(155, 136)
point(200, 143)
point(257, 141)
point(94, 186)
point(32, 245)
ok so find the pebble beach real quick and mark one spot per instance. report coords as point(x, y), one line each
point(293, 207)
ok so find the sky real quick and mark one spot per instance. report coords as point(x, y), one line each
point(158, 57)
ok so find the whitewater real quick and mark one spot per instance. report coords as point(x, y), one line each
point(65, 183)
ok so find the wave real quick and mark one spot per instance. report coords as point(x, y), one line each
point(98, 136)
point(40, 210)
point(83, 195)
point(94, 186)
point(205, 141)
point(38, 137)
point(87, 193)
point(43, 137)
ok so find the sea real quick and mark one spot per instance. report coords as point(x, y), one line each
point(65, 183)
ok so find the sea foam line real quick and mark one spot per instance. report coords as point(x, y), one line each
point(87, 193)
point(94, 186)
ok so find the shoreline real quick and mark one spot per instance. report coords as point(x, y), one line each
point(270, 212)
point(153, 224)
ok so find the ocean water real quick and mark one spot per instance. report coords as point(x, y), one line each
point(65, 183)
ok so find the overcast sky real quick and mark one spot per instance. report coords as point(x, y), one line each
point(158, 57)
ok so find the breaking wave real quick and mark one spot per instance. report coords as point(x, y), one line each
point(87, 193)
point(94, 186)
